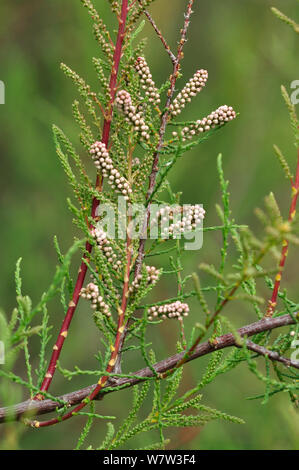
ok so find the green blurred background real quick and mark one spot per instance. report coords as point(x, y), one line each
point(248, 54)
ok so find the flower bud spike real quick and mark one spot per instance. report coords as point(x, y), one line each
point(91, 292)
point(217, 118)
point(191, 89)
point(152, 278)
point(124, 104)
point(176, 310)
point(105, 246)
point(179, 220)
point(146, 79)
point(104, 163)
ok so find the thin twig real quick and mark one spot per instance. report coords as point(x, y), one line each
point(18, 411)
point(161, 37)
point(211, 319)
point(272, 355)
point(285, 246)
point(162, 130)
point(164, 120)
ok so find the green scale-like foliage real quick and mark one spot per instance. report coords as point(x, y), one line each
point(245, 258)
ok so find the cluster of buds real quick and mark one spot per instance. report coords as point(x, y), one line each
point(153, 275)
point(136, 161)
point(124, 104)
point(178, 220)
point(105, 246)
point(104, 163)
point(217, 118)
point(91, 292)
point(194, 86)
point(174, 310)
point(147, 83)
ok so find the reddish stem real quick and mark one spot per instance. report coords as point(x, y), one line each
point(285, 246)
point(106, 131)
point(99, 184)
point(115, 349)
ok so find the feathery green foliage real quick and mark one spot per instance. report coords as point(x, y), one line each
point(140, 145)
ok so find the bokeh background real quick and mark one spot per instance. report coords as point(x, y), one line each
point(248, 54)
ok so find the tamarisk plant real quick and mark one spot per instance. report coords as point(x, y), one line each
point(129, 129)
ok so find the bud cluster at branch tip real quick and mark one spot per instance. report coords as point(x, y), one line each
point(104, 163)
point(147, 83)
point(183, 219)
point(191, 89)
point(153, 275)
point(176, 309)
point(217, 118)
point(124, 104)
point(104, 244)
point(91, 292)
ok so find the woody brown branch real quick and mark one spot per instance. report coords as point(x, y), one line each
point(19, 411)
